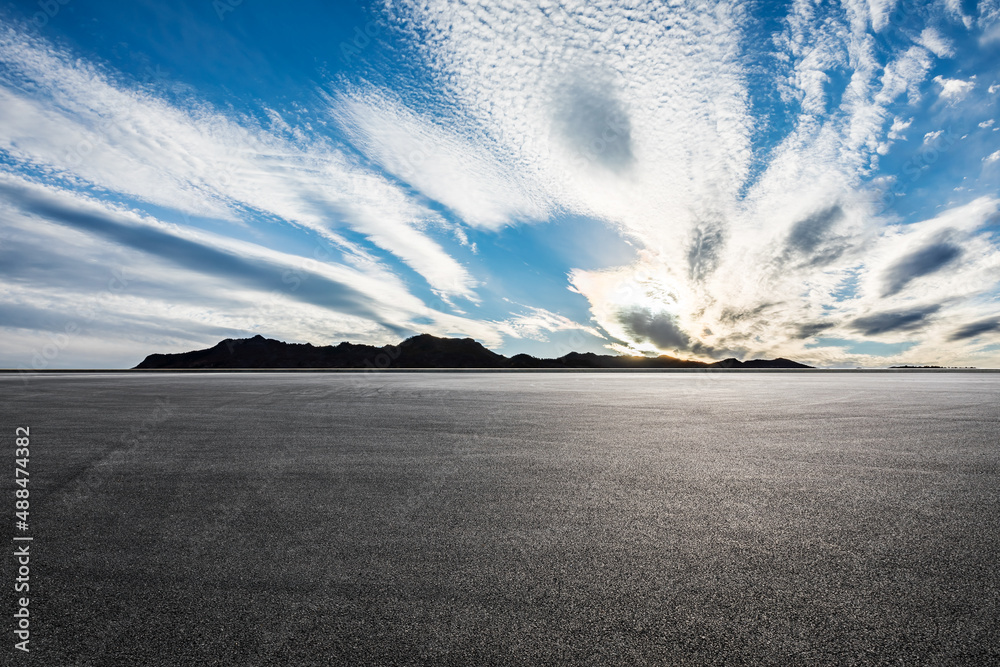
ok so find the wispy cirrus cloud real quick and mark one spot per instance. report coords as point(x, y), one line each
point(72, 122)
point(457, 170)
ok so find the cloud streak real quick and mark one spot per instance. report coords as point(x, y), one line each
point(74, 123)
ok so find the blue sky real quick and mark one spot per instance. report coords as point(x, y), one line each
point(819, 181)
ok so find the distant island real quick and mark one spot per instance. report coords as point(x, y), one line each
point(423, 351)
point(950, 368)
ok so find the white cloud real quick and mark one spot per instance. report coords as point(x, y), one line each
point(986, 123)
point(898, 125)
point(536, 323)
point(954, 89)
point(904, 74)
point(880, 11)
point(992, 157)
point(936, 43)
point(75, 124)
point(453, 169)
point(989, 20)
point(954, 8)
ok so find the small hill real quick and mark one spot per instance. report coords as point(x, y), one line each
point(780, 362)
point(423, 351)
point(591, 360)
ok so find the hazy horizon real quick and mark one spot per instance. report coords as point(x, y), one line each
point(377, 364)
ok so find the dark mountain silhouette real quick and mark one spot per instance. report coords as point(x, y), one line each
point(423, 351)
point(780, 362)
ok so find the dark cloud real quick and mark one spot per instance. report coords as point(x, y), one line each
point(22, 262)
point(78, 277)
point(20, 316)
point(718, 352)
point(658, 328)
point(732, 315)
point(919, 263)
point(899, 320)
point(811, 329)
point(808, 234)
point(704, 251)
point(299, 285)
point(811, 239)
point(595, 123)
point(16, 316)
point(976, 329)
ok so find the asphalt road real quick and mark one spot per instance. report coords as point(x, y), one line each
point(465, 519)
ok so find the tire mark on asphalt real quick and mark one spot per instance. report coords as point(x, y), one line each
point(86, 479)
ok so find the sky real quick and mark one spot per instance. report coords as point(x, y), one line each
point(811, 180)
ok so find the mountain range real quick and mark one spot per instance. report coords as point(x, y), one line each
point(423, 351)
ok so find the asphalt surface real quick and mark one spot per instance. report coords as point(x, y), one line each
point(465, 519)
